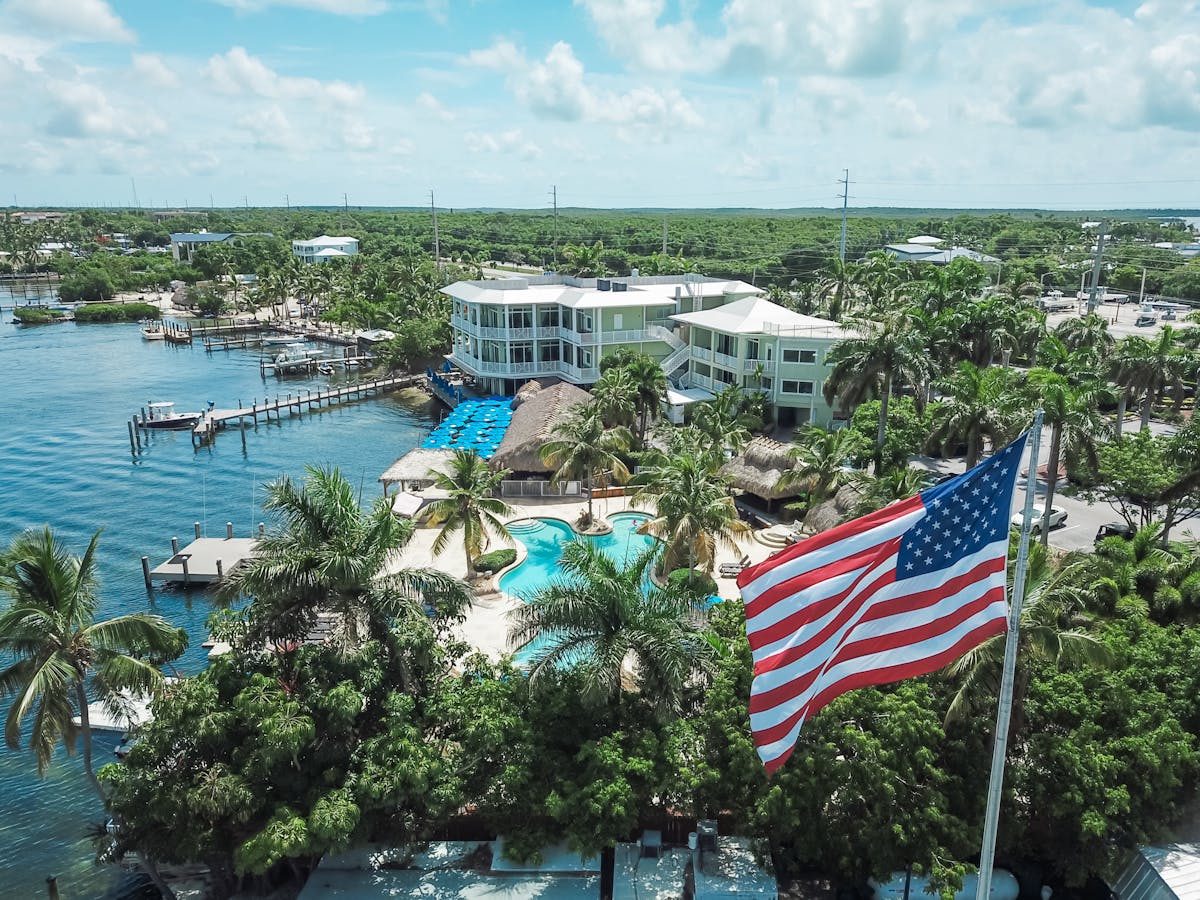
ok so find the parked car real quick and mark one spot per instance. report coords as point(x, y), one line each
point(1114, 529)
point(1058, 515)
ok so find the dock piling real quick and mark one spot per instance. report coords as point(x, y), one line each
point(174, 546)
point(146, 572)
point(187, 578)
point(197, 526)
point(229, 530)
point(262, 529)
point(132, 440)
point(220, 571)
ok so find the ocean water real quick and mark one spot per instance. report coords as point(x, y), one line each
point(65, 460)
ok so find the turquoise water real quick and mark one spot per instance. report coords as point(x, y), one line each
point(65, 460)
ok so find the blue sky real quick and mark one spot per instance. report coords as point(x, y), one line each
point(681, 103)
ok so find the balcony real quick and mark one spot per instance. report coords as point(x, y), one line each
point(530, 370)
point(725, 361)
point(751, 366)
point(702, 353)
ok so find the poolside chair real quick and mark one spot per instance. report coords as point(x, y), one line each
point(733, 570)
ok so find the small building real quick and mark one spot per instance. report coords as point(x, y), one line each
point(417, 469)
point(759, 469)
point(537, 409)
point(727, 868)
point(185, 244)
point(324, 248)
point(919, 250)
point(368, 340)
point(1170, 872)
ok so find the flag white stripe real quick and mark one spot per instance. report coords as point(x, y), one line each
point(847, 546)
point(815, 657)
point(818, 592)
point(894, 624)
point(906, 655)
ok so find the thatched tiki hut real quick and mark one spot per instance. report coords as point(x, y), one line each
point(537, 408)
point(758, 470)
point(417, 468)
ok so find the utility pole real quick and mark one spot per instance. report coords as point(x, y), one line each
point(554, 198)
point(664, 236)
point(1092, 299)
point(437, 246)
point(845, 182)
point(211, 205)
point(287, 201)
point(246, 202)
point(133, 184)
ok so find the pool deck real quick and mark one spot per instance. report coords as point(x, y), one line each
point(486, 624)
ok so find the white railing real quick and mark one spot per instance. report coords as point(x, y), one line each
point(702, 353)
point(515, 488)
point(498, 368)
point(666, 335)
point(726, 361)
point(676, 359)
point(768, 366)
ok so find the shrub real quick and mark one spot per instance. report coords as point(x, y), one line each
point(87, 285)
point(693, 580)
point(112, 312)
point(36, 315)
point(496, 560)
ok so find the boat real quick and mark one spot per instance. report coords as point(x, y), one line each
point(325, 368)
point(161, 414)
point(296, 358)
point(278, 339)
point(152, 330)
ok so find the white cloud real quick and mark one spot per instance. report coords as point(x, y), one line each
point(153, 69)
point(74, 20)
point(557, 88)
point(431, 105)
point(82, 110)
point(512, 141)
point(334, 7)
point(237, 72)
point(750, 167)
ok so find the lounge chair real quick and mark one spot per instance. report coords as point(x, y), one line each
point(732, 570)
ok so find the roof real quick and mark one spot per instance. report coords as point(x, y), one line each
point(535, 413)
point(203, 237)
point(758, 470)
point(1161, 873)
point(677, 397)
point(415, 465)
point(924, 239)
point(925, 253)
point(331, 251)
point(758, 315)
point(585, 293)
point(733, 871)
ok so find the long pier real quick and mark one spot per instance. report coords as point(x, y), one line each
point(295, 405)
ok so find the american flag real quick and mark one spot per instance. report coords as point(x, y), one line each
point(895, 594)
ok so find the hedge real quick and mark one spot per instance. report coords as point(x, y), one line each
point(111, 312)
point(694, 579)
point(36, 315)
point(496, 560)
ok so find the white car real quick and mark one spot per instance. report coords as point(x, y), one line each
point(1058, 515)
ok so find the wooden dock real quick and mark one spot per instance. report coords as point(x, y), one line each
point(176, 334)
point(217, 419)
point(204, 561)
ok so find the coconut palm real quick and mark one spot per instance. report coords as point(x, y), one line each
point(1149, 367)
point(58, 650)
point(1143, 576)
point(616, 397)
point(469, 506)
point(328, 555)
point(650, 382)
point(821, 462)
point(729, 417)
point(599, 617)
point(585, 261)
point(975, 407)
point(583, 448)
point(1052, 628)
point(694, 513)
point(837, 286)
point(893, 485)
point(890, 349)
point(1072, 413)
point(1086, 334)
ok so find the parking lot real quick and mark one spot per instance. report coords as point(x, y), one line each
point(1078, 532)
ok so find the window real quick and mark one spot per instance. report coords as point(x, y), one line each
point(583, 322)
point(618, 320)
point(724, 377)
point(796, 387)
point(585, 359)
point(548, 351)
point(520, 317)
point(726, 345)
point(752, 349)
point(547, 317)
point(521, 352)
point(799, 356)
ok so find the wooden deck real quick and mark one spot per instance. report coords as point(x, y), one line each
point(297, 404)
point(205, 560)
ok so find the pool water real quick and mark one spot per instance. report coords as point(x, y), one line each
point(544, 540)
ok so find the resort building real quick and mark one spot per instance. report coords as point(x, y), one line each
point(925, 248)
point(323, 248)
point(706, 333)
point(184, 245)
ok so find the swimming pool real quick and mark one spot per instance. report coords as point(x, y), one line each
point(544, 540)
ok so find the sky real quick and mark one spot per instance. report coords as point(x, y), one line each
point(1055, 104)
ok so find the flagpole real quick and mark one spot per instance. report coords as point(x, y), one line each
point(991, 819)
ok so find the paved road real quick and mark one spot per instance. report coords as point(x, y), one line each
point(1078, 532)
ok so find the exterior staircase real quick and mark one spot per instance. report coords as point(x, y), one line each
point(677, 359)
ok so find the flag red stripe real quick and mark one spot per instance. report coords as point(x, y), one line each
point(789, 588)
point(880, 676)
point(832, 536)
point(852, 649)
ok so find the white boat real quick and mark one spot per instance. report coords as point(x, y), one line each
point(152, 330)
point(161, 414)
point(325, 368)
point(296, 357)
point(276, 340)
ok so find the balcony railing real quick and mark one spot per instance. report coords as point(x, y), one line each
point(726, 361)
point(532, 369)
point(768, 366)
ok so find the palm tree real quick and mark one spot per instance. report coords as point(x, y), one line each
point(976, 406)
point(49, 632)
point(1087, 334)
point(650, 382)
point(891, 349)
point(585, 261)
point(694, 512)
point(1052, 628)
point(584, 449)
point(1149, 367)
point(599, 617)
point(837, 286)
point(1142, 577)
point(821, 458)
point(729, 417)
point(1073, 415)
point(327, 555)
point(469, 506)
point(893, 485)
point(616, 395)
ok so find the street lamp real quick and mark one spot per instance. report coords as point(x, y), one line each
point(1044, 277)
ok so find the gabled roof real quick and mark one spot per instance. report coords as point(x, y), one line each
point(331, 251)
point(757, 315)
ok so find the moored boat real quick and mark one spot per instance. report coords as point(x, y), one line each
point(161, 414)
point(152, 330)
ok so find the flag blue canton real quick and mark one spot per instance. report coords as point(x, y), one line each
point(962, 515)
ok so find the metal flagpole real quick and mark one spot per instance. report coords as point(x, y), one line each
point(991, 819)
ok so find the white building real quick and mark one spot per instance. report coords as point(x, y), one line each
point(323, 248)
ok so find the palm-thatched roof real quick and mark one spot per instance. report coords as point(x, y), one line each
point(536, 410)
point(416, 465)
point(758, 470)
